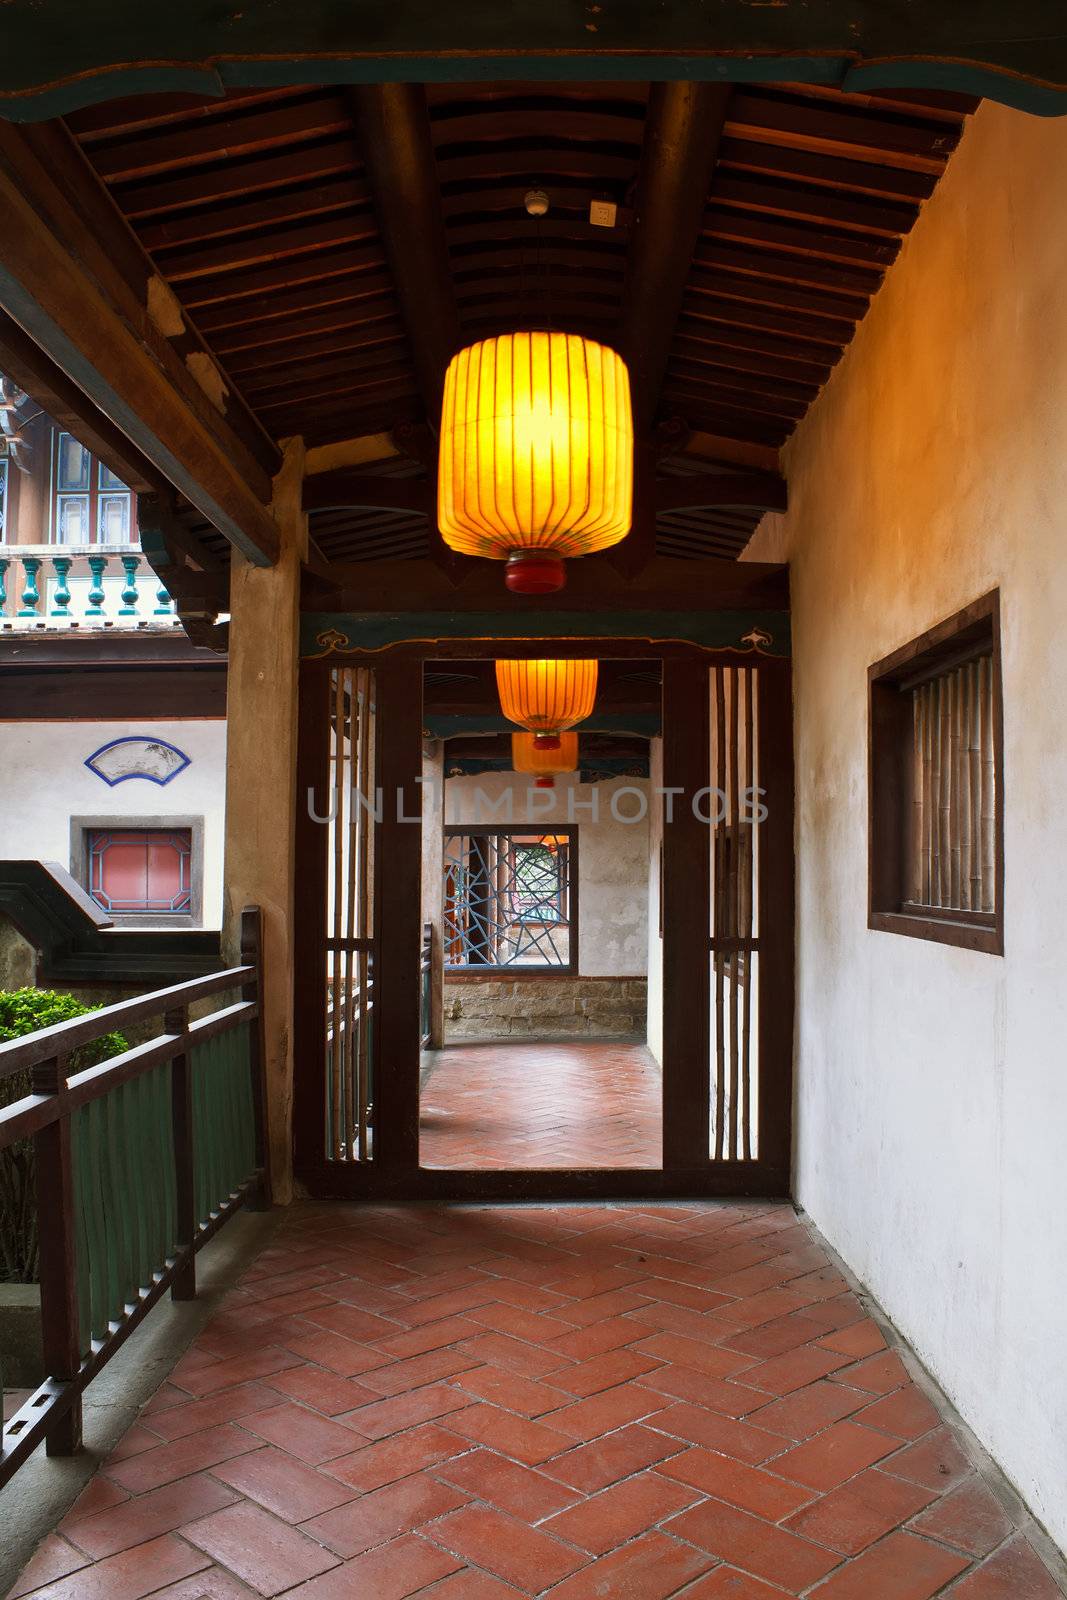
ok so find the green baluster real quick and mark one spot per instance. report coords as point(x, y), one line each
point(61, 598)
point(3, 587)
point(95, 608)
point(129, 587)
point(31, 594)
point(163, 602)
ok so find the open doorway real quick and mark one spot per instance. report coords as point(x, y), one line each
point(536, 901)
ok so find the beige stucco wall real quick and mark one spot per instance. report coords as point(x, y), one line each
point(932, 1082)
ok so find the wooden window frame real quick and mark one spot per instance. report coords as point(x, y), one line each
point(523, 973)
point(82, 828)
point(971, 632)
point(93, 494)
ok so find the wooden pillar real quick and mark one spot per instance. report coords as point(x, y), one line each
point(261, 711)
point(686, 914)
point(433, 877)
point(398, 915)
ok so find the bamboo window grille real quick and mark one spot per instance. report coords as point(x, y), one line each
point(953, 834)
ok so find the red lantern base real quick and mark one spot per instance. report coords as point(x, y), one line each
point(534, 572)
point(546, 741)
point(544, 783)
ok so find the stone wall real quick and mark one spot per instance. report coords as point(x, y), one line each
point(501, 1008)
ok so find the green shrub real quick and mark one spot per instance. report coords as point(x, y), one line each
point(24, 1011)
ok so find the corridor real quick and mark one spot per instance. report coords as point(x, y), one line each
point(541, 1105)
point(632, 1401)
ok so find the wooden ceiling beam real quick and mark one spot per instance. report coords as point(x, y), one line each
point(397, 148)
point(91, 323)
point(26, 364)
point(682, 130)
point(592, 585)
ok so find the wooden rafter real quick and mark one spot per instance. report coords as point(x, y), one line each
point(682, 131)
point(27, 365)
point(97, 332)
point(394, 126)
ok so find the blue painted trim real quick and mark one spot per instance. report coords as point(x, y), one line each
point(214, 75)
point(328, 633)
point(137, 738)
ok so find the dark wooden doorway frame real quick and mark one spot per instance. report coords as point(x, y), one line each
point(688, 1169)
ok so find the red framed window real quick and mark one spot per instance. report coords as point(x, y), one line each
point(142, 870)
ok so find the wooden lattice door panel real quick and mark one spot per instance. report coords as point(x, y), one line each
point(736, 811)
point(348, 909)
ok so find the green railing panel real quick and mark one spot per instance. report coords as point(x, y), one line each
point(224, 1152)
point(124, 1191)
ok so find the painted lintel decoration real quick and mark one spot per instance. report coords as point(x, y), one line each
point(137, 756)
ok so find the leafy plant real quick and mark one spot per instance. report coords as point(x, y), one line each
point(24, 1011)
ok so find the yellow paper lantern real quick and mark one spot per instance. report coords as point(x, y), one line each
point(536, 455)
point(543, 765)
point(546, 697)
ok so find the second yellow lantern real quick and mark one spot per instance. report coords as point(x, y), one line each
point(546, 697)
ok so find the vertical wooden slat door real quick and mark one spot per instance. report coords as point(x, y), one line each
point(727, 904)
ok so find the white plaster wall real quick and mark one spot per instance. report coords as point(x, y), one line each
point(932, 1082)
point(655, 938)
point(612, 855)
point(44, 782)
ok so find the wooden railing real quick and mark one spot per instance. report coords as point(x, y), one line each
point(140, 1160)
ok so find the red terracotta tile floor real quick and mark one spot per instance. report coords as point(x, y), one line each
point(477, 1403)
point(542, 1105)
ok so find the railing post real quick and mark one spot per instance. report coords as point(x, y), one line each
point(61, 565)
point(31, 594)
point(4, 564)
point(130, 594)
point(97, 595)
point(181, 1103)
point(252, 956)
point(60, 1333)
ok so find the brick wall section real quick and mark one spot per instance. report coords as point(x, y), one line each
point(502, 1008)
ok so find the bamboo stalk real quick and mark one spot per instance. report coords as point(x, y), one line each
point(745, 928)
point(719, 840)
point(944, 795)
point(915, 865)
point(988, 796)
point(732, 891)
point(952, 688)
point(350, 823)
point(365, 787)
point(337, 836)
point(930, 715)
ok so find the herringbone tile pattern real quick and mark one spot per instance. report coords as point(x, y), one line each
point(542, 1105)
point(487, 1403)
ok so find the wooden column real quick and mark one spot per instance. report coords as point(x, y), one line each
point(398, 918)
point(776, 920)
point(261, 786)
point(686, 913)
point(433, 877)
